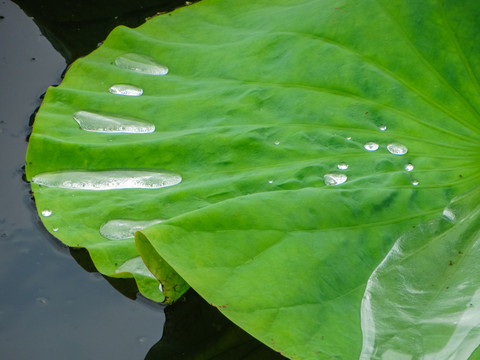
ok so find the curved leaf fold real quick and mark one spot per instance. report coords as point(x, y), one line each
point(423, 299)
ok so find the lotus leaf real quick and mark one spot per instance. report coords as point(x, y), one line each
point(277, 156)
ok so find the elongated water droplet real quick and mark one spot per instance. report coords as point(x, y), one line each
point(277, 142)
point(124, 229)
point(334, 179)
point(55, 229)
point(107, 180)
point(349, 138)
point(382, 128)
point(415, 183)
point(103, 123)
point(126, 90)
point(141, 64)
point(46, 213)
point(135, 266)
point(160, 287)
point(409, 167)
point(448, 213)
point(371, 146)
point(397, 149)
point(342, 166)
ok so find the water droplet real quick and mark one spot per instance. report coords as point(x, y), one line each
point(397, 149)
point(55, 229)
point(103, 123)
point(270, 181)
point(107, 180)
point(382, 128)
point(349, 138)
point(342, 166)
point(277, 142)
point(141, 64)
point(371, 146)
point(334, 179)
point(124, 229)
point(135, 266)
point(126, 90)
point(409, 167)
point(415, 183)
point(46, 213)
point(160, 287)
point(448, 213)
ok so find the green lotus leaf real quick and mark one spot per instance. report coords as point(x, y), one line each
point(269, 155)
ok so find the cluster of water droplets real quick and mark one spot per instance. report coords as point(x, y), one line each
point(113, 123)
point(98, 122)
point(393, 148)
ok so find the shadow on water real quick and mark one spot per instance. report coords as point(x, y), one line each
point(51, 308)
point(75, 28)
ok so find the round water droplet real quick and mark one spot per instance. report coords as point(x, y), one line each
point(270, 181)
point(126, 90)
point(409, 167)
point(342, 166)
point(382, 128)
point(349, 138)
point(140, 64)
point(397, 149)
point(46, 213)
point(277, 142)
point(124, 229)
point(107, 180)
point(415, 183)
point(334, 179)
point(371, 146)
point(104, 123)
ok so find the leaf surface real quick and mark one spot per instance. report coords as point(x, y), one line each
point(426, 285)
point(309, 137)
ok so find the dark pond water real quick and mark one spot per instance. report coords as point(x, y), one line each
point(53, 305)
point(50, 307)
